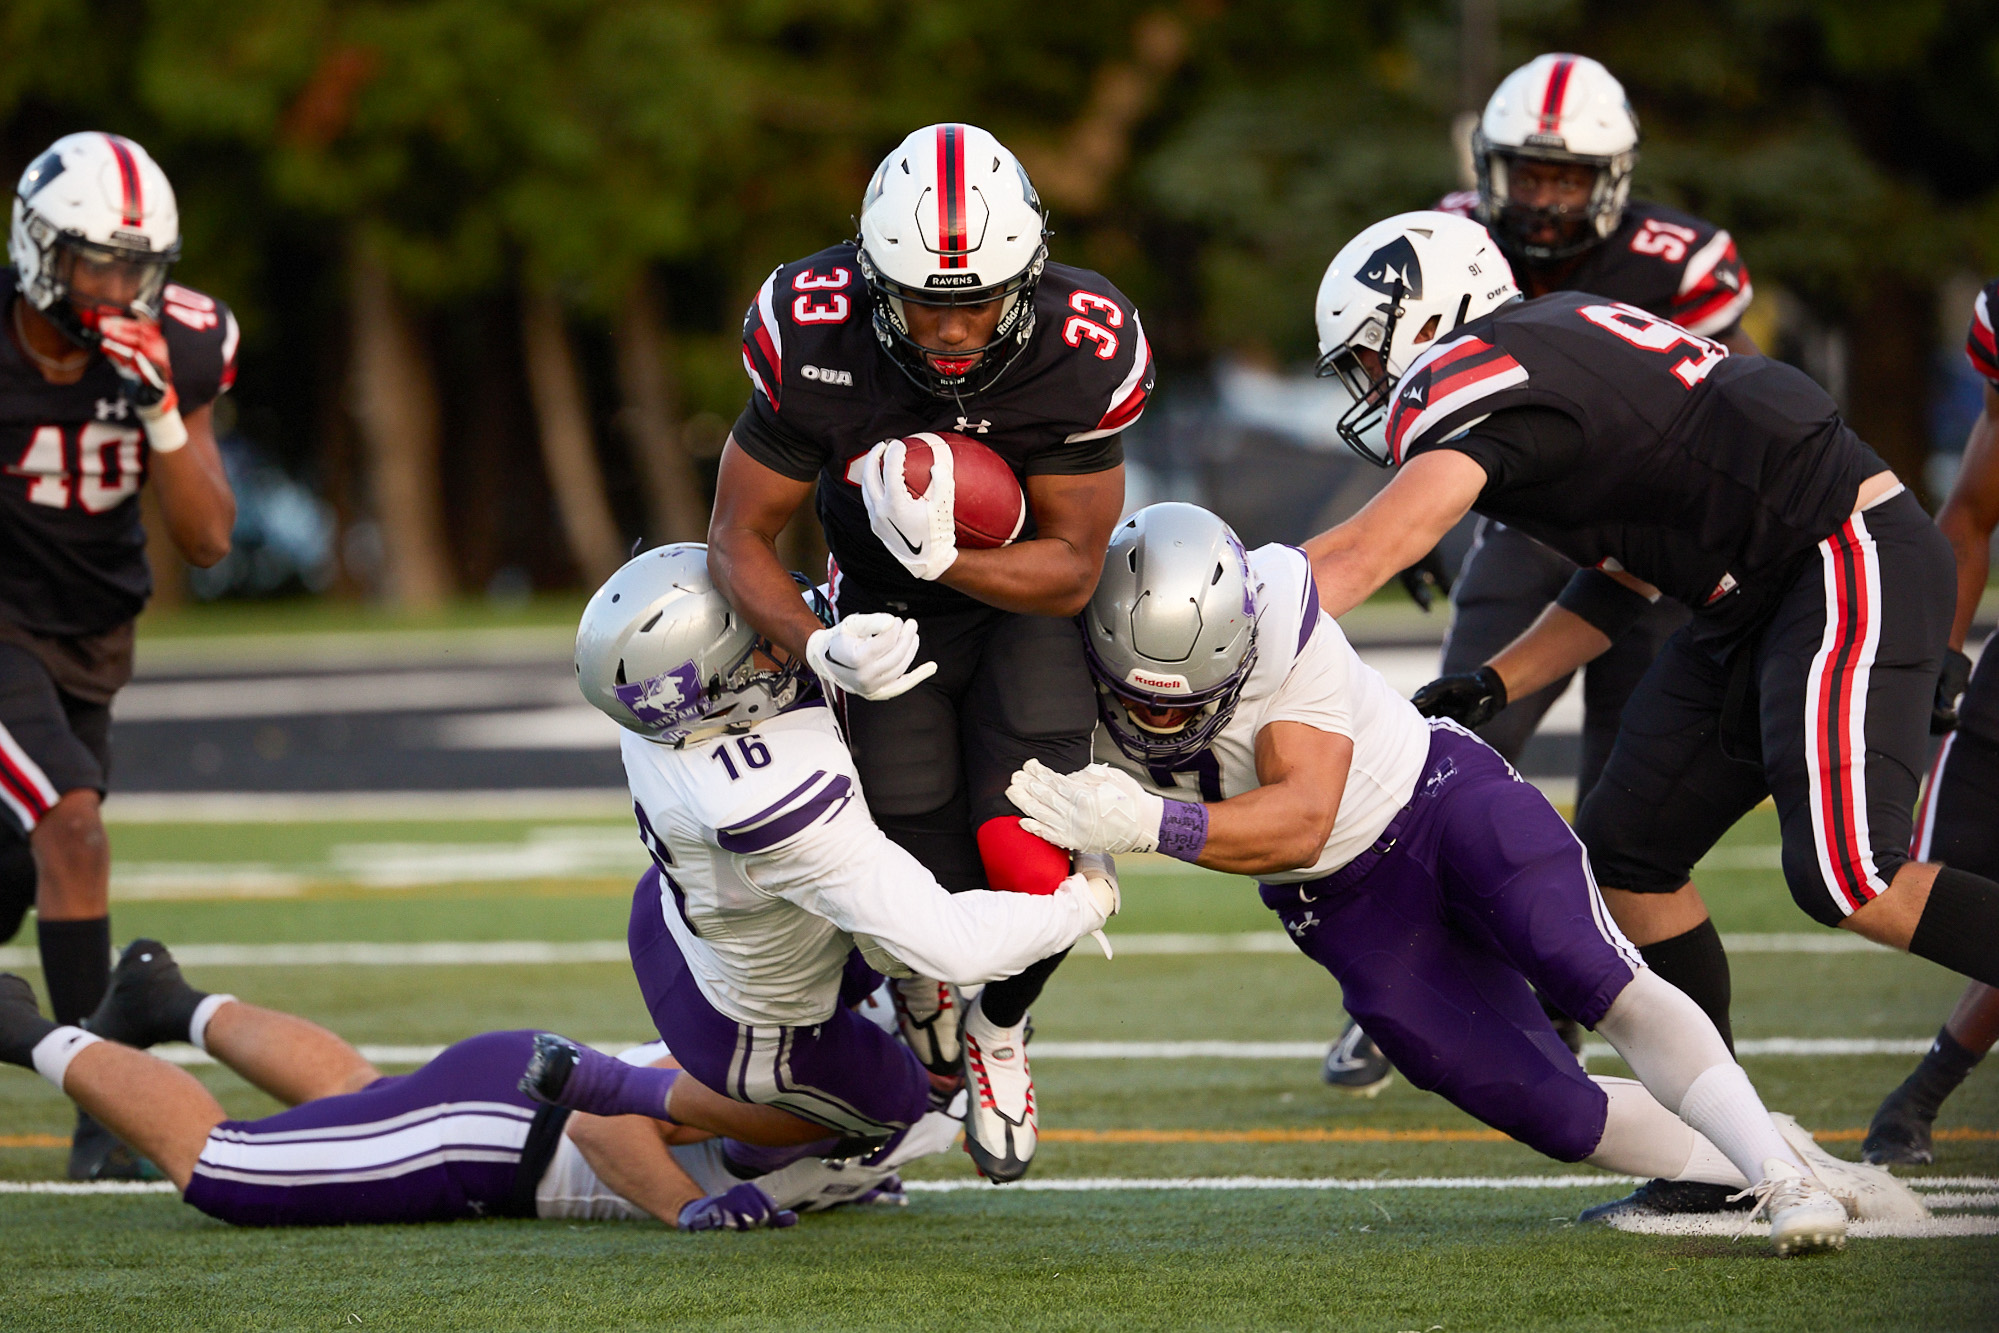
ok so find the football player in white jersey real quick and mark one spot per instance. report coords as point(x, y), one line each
point(771, 885)
point(1240, 731)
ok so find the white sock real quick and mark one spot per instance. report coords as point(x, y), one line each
point(1667, 1039)
point(53, 1053)
point(197, 1027)
point(1723, 1105)
point(1642, 1138)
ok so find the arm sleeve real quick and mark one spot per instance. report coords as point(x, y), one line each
point(1603, 601)
point(1518, 445)
point(1078, 458)
point(844, 869)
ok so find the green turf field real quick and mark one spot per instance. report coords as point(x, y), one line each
point(1389, 1258)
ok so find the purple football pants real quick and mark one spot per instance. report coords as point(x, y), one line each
point(1476, 888)
point(442, 1143)
point(845, 1073)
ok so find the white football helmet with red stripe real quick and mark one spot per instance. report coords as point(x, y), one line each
point(951, 219)
point(1387, 297)
point(95, 224)
point(1564, 109)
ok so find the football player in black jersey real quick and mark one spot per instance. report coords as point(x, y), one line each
point(957, 665)
point(107, 373)
point(1820, 591)
point(1955, 821)
point(1554, 152)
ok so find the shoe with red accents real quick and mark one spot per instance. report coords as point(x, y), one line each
point(1000, 1132)
point(928, 1013)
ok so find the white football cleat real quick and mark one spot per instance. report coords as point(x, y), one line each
point(1000, 1131)
point(929, 1013)
point(1804, 1215)
point(1868, 1193)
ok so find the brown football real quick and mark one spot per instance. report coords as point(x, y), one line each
point(989, 505)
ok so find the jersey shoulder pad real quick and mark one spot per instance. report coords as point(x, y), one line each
point(1447, 386)
point(201, 334)
point(1979, 344)
point(1709, 284)
point(803, 321)
point(1287, 600)
point(1096, 344)
point(770, 785)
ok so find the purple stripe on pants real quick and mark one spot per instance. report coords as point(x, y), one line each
point(435, 1145)
point(1484, 889)
point(844, 1073)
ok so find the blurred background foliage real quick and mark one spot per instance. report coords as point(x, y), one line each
point(491, 256)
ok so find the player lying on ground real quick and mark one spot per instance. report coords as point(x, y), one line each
point(1240, 732)
point(944, 314)
point(454, 1139)
point(768, 875)
point(108, 377)
point(1821, 593)
point(1554, 152)
point(1955, 823)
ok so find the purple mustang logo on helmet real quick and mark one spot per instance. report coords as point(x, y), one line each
point(665, 700)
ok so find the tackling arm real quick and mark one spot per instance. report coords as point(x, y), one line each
point(1430, 493)
point(194, 493)
point(752, 505)
point(630, 1154)
point(1284, 823)
point(1055, 573)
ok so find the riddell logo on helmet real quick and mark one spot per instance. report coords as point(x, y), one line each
point(1152, 682)
point(953, 280)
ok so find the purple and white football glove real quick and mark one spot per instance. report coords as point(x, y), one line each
point(744, 1208)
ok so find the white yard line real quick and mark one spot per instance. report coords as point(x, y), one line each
point(341, 807)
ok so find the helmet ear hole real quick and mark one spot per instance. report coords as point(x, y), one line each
point(619, 678)
point(654, 621)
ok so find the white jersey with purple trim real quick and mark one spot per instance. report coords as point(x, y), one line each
point(1307, 672)
point(772, 871)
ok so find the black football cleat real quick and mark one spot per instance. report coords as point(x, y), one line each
point(554, 1060)
point(148, 1001)
point(95, 1153)
point(22, 1026)
point(1670, 1198)
point(1356, 1065)
point(1899, 1134)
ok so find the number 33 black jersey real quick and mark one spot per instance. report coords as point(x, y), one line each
point(1611, 435)
point(824, 392)
point(72, 460)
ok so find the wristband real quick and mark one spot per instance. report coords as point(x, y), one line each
point(1602, 601)
point(166, 432)
point(1183, 829)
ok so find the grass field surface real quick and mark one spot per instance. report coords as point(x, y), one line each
point(1482, 1249)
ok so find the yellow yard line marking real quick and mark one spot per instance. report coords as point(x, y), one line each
point(34, 1140)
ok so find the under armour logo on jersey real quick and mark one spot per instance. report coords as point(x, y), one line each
point(828, 376)
point(1302, 924)
point(112, 409)
point(966, 424)
point(1394, 263)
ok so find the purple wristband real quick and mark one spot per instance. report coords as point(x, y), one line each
point(1183, 829)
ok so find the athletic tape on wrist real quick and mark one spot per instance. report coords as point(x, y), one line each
point(53, 1053)
point(1183, 829)
point(166, 432)
point(197, 1027)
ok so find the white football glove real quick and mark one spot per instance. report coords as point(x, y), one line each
point(868, 655)
point(921, 533)
point(1100, 809)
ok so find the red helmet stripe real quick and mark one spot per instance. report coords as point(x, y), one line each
point(951, 243)
point(128, 180)
point(1558, 89)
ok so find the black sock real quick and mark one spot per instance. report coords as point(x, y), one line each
point(22, 1027)
point(1944, 1066)
point(1960, 925)
point(76, 965)
point(17, 885)
point(1697, 964)
point(1004, 1003)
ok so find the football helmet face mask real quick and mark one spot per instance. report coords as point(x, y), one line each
point(1388, 295)
point(661, 653)
point(1171, 628)
point(1561, 110)
point(950, 219)
point(95, 229)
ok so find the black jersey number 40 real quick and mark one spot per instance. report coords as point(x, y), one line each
point(1645, 330)
point(95, 467)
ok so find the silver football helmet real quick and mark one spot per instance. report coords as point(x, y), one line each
point(662, 653)
point(1172, 626)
